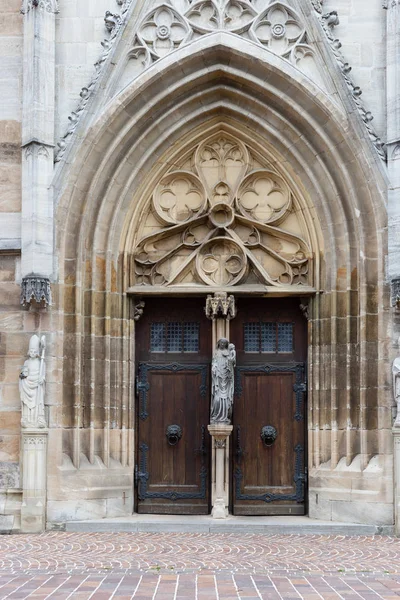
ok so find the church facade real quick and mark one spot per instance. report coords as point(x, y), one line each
point(178, 173)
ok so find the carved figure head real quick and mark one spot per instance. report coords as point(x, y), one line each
point(174, 434)
point(222, 344)
point(34, 347)
point(268, 435)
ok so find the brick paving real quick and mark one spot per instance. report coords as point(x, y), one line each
point(198, 566)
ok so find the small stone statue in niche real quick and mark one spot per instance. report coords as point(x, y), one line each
point(32, 385)
point(396, 386)
point(222, 372)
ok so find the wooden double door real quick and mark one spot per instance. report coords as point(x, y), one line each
point(267, 447)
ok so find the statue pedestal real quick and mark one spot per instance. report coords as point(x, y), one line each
point(220, 469)
point(34, 473)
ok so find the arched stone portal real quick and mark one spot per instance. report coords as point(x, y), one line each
point(294, 131)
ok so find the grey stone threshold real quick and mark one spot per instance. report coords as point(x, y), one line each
point(205, 524)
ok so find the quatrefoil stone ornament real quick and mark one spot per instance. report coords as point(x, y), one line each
point(163, 30)
point(279, 28)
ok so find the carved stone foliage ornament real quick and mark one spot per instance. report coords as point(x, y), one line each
point(32, 385)
point(226, 218)
point(328, 22)
point(35, 288)
point(113, 24)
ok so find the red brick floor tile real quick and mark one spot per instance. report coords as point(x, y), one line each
point(151, 566)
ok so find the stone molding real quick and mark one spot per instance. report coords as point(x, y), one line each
point(113, 24)
point(35, 288)
point(328, 22)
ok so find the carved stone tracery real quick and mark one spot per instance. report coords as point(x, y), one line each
point(165, 28)
point(225, 219)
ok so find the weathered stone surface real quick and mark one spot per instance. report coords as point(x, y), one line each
point(295, 117)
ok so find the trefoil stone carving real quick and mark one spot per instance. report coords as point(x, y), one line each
point(35, 288)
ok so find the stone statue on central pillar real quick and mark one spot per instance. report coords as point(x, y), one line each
point(222, 372)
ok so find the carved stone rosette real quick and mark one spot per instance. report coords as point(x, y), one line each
point(35, 288)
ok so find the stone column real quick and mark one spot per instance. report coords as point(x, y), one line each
point(34, 473)
point(393, 152)
point(220, 469)
point(393, 144)
point(38, 110)
point(220, 308)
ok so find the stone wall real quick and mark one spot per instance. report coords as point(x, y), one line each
point(362, 32)
point(90, 406)
point(13, 322)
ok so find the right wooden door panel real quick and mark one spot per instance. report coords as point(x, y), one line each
point(269, 472)
point(269, 444)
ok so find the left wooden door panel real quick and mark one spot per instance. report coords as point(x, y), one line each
point(173, 454)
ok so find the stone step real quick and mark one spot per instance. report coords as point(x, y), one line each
point(205, 524)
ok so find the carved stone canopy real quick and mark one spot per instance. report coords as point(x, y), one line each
point(50, 6)
point(222, 217)
point(220, 305)
point(35, 288)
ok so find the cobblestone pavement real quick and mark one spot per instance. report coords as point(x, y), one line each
point(172, 566)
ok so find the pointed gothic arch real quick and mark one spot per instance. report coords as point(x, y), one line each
point(102, 191)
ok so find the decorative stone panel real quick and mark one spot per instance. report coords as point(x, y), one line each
point(224, 218)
